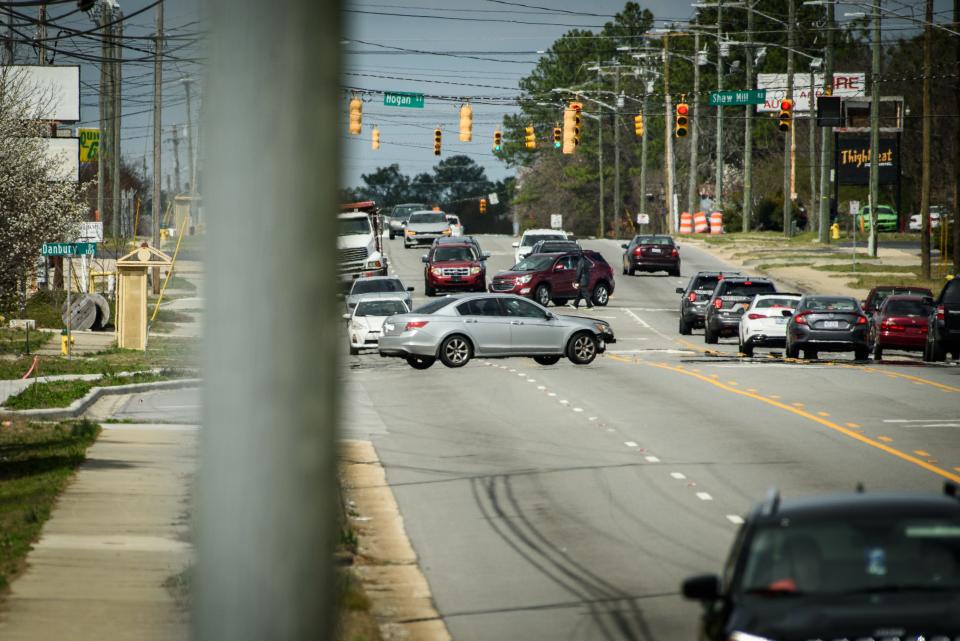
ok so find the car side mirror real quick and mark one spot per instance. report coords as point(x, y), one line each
point(549, 316)
point(559, 268)
point(424, 259)
point(787, 313)
point(705, 587)
point(680, 290)
point(624, 245)
point(346, 317)
point(409, 289)
point(515, 245)
point(486, 255)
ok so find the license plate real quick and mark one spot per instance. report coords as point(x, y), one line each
point(781, 321)
point(455, 278)
point(831, 324)
point(654, 251)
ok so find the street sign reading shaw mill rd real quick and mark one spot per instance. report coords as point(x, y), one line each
point(734, 98)
point(69, 249)
point(403, 99)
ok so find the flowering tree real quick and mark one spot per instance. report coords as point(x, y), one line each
point(33, 208)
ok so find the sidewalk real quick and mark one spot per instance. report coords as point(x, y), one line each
point(117, 538)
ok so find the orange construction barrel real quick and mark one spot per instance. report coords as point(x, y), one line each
point(686, 223)
point(700, 225)
point(716, 222)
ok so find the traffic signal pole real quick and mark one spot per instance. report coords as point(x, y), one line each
point(826, 137)
point(643, 158)
point(668, 136)
point(925, 154)
point(748, 129)
point(874, 129)
point(787, 151)
point(693, 202)
point(157, 136)
point(616, 153)
point(718, 189)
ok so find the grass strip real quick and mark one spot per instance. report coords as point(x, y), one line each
point(62, 393)
point(36, 462)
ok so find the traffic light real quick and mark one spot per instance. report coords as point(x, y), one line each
point(571, 127)
point(530, 138)
point(466, 123)
point(497, 140)
point(86, 5)
point(483, 205)
point(786, 114)
point(375, 139)
point(681, 121)
point(638, 125)
point(557, 137)
point(356, 116)
point(437, 135)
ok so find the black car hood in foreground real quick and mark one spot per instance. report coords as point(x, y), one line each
point(904, 615)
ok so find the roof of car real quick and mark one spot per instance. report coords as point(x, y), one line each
point(377, 278)
point(906, 297)
point(717, 273)
point(537, 232)
point(844, 505)
point(750, 279)
point(779, 295)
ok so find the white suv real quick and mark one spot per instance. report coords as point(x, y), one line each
point(763, 323)
point(531, 237)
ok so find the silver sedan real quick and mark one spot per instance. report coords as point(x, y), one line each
point(455, 329)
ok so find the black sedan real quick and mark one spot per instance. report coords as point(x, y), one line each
point(827, 324)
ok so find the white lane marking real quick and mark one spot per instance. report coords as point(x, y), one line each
point(592, 418)
point(630, 444)
point(577, 409)
point(678, 475)
point(639, 320)
point(541, 387)
point(513, 371)
point(521, 374)
point(655, 309)
point(531, 380)
point(652, 459)
point(917, 420)
point(632, 338)
point(704, 496)
point(551, 394)
point(564, 401)
point(733, 518)
point(628, 352)
point(610, 429)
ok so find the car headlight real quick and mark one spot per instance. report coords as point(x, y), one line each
point(603, 328)
point(746, 636)
point(446, 232)
point(436, 271)
point(523, 280)
point(474, 270)
point(374, 264)
point(410, 232)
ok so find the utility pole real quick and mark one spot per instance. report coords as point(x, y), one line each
point(748, 129)
point(874, 129)
point(175, 138)
point(693, 184)
point(787, 168)
point(8, 43)
point(116, 112)
point(157, 136)
point(718, 189)
point(105, 105)
point(41, 33)
point(616, 152)
point(925, 153)
point(643, 152)
point(668, 135)
point(956, 146)
point(812, 126)
point(191, 161)
point(826, 136)
point(600, 155)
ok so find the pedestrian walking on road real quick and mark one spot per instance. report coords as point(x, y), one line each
point(583, 281)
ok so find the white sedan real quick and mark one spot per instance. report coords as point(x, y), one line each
point(763, 323)
point(366, 322)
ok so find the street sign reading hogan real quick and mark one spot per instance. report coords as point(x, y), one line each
point(403, 99)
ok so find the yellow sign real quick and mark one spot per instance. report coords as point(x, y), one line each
point(89, 144)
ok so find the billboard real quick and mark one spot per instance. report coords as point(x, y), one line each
point(66, 153)
point(89, 144)
point(853, 159)
point(851, 85)
point(52, 91)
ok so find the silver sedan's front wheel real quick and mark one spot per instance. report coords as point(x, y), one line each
point(582, 348)
point(455, 351)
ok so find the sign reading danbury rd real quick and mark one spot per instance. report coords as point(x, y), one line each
point(732, 98)
point(403, 99)
point(69, 249)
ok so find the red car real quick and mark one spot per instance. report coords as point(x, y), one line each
point(900, 323)
point(550, 277)
point(454, 267)
point(875, 298)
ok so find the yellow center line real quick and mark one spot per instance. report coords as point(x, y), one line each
point(812, 417)
point(916, 379)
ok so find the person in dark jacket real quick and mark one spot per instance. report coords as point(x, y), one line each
point(583, 281)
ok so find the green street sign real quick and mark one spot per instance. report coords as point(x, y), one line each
point(403, 99)
point(734, 98)
point(69, 249)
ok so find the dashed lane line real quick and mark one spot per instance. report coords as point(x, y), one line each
point(704, 496)
point(735, 519)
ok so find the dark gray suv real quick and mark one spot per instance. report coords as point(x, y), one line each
point(696, 295)
point(730, 299)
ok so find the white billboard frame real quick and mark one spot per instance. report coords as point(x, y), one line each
point(845, 84)
point(52, 91)
point(66, 153)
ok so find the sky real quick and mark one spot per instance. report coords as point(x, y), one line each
point(500, 54)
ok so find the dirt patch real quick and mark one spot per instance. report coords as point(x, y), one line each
point(385, 563)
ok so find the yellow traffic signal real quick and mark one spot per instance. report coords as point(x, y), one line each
point(375, 139)
point(483, 205)
point(557, 137)
point(786, 114)
point(497, 140)
point(437, 135)
point(571, 127)
point(530, 138)
point(638, 125)
point(681, 120)
point(466, 123)
point(356, 116)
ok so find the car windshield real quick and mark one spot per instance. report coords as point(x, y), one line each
point(653, 240)
point(529, 240)
point(533, 263)
point(775, 303)
point(830, 305)
point(708, 283)
point(353, 226)
point(749, 289)
point(367, 286)
point(444, 254)
point(434, 305)
point(380, 308)
point(854, 555)
point(557, 246)
point(907, 308)
point(428, 218)
point(403, 211)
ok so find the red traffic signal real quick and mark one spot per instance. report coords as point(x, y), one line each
point(786, 105)
point(786, 114)
point(682, 109)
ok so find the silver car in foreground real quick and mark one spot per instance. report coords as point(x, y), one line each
point(454, 329)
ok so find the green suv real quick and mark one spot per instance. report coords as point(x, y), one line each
point(887, 218)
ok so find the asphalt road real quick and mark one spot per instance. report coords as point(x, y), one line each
point(568, 502)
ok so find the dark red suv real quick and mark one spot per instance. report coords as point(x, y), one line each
point(550, 277)
point(454, 267)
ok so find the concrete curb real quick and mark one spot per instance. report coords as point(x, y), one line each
point(81, 405)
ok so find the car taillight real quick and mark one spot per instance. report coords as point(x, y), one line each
point(636, 252)
point(415, 325)
point(800, 319)
point(718, 303)
point(861, 320)
point(940, 312)
point(756, 316)
point(692, 297)
point(675, 253)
